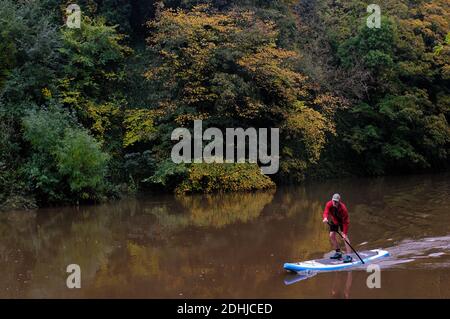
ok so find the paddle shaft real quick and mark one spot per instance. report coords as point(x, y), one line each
point(354, 250)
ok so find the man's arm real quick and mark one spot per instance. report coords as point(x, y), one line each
point(326, 212)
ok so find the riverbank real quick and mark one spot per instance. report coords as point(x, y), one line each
point(211, 185)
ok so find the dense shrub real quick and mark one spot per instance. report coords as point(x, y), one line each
point(66, 163)
point(227, 177)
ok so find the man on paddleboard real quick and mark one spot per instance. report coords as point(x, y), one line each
point(336, 216)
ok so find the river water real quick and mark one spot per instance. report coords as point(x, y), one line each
point(233, 245)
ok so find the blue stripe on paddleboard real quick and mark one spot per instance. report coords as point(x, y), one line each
point(296, 267)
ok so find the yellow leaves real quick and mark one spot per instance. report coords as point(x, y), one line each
point(184, 120)
point(186, 42)
point(270, 68)
point(196, 34)
point(267, 56)
point(139, 125)
point(251, 108)
point(198, 22)
point(329, 103)
point(224, 177)
point(102, 116)
point(429, 22)
point(192, 45)
point(68, 95)
point(311, 126)
point(436, 16)
point(168, 54)
point(46, 93)
point(194, 92)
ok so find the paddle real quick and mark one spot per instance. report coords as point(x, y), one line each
point(347, 243)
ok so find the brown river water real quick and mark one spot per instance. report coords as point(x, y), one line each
point(233, 245)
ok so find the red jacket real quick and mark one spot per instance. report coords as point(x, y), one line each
point(338, 216)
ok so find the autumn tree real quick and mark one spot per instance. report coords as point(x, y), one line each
point(226, 69)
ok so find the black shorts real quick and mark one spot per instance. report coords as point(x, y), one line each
point(335, 228)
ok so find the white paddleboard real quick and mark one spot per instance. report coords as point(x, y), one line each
point(336, 264)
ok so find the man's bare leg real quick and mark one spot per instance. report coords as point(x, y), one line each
point(333, 240)
point(347, 247)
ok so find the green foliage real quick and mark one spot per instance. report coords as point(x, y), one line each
point(92, 84)
point(399, 134)
point(28, 54)
point(168, 174)
point(138, 166)
point(81, 161)
point(8, 47)
point(92, 75)
point(139, 126)
point(93, 54)
point(10, 183)
point(43, 128)
point(66, 163)
point(374, 48)
point(400, 123)
point(44, 131)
